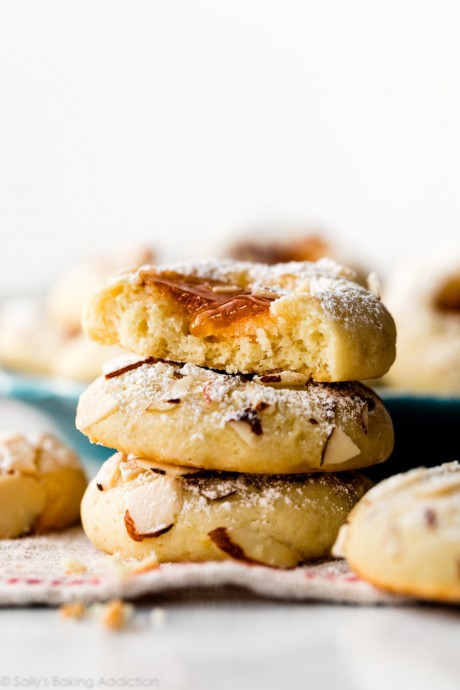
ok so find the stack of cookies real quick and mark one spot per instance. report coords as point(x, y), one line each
point(238, 419)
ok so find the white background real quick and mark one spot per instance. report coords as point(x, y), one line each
point(180, 122)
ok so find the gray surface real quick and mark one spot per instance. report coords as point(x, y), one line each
point(231, 640)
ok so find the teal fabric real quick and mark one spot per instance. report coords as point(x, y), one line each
point(427, 431)
point(57, 398)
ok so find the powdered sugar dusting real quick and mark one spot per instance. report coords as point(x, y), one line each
point(31, 453)
point(220, 396)
point(211, 490)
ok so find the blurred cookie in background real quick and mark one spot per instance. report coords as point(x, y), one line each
point(307, 247)
point(28, 342)
point(273, 245)
point(31, 343)
point(422, 388)
point(74, 287)
point(41, 484)
point(403, 536)
point(424, 298)
point(44, 336)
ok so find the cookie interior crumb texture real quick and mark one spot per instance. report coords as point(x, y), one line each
point(305, 317)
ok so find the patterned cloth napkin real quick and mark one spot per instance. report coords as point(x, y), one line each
point(64, 567)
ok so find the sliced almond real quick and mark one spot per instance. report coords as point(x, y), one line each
point(132, 529)
point(163, 467)
point(283, 379)
point(165, 369)
point(129, 470)
point(244, 432)
point(292, 378)
point(152, 508)
point(338, 448)
point(178, 388)
point(373, 285)
point(108, 474)
point(339, 550)
point(171, 396)
point(161, 406)
point(270, 378)
point(120, 365)
point(365, 417)
point(251, 546)
point(96, 411)
point(249, 415)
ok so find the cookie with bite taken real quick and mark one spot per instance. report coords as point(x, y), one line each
point(310, 318)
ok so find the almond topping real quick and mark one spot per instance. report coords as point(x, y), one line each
point(373, 285)
point(244, 432)
point(292, 378)
point(152, 508)
point(339, 548)
point(270, 378)
point(120, 365)
point(338, 448)
point(163, 468)
point(249, 416)
point(129, 469)
point(365, 416)
point(98, 410)
point(107, 476)
point(282, 379)
point(161, 406)
point(136, 536)
point(252, 546)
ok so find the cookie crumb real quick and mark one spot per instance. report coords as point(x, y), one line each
point(116, 614)
point(120, 568)
point(74, 567)
point(74, 610)
point(145, 565)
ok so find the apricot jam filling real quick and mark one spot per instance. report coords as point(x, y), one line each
point(211, 305)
